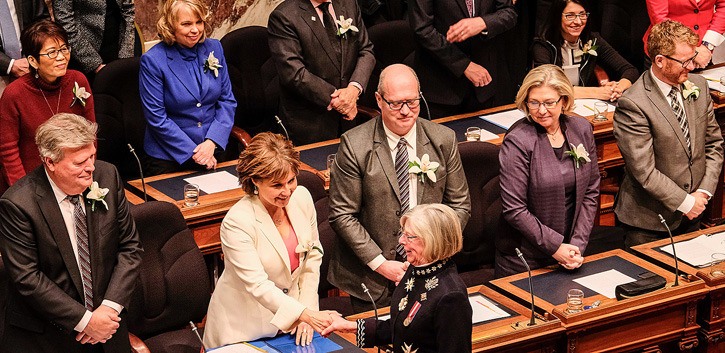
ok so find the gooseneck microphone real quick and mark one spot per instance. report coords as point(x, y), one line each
point(674, 253)
point(375, 307)
point(279, 122)
point(531, 287)
point(426, 106)
point(140, 171)
point(196, 331)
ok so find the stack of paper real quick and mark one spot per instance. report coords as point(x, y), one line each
point(585, 107)
point(698, 251)
point(504, 119)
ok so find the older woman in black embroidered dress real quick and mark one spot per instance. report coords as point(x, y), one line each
point(430, 311)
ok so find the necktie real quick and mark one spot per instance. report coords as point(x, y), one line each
point(469, 6)
point(401, 171)
point(680, 114)
point(10, 41)
point(84, 255)
point(330, 27)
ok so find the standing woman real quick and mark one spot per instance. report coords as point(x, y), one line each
point(566, 41)
point(272, 252)
point(549, 178)
point(186, 94)
point(29, 101)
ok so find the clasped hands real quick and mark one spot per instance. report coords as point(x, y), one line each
point(102, 326)
point(459, 32)
point(344, 100)
point(701, 200)
point(568, 256)
point(204, 154)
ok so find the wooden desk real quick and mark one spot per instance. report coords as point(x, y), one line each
point(650, 322)
point(711, 311)
point(507, 335)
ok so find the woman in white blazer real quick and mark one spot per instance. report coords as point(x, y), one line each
point(272, 253)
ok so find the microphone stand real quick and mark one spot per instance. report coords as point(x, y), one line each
point(279, 122)
point(531, 287)
point(196, 331)
point(674, 253)
point(140, 171)
point(375, 307)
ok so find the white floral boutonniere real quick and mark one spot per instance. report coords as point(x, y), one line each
point(423, 167)
point(212, 64)
point(690, 91)
point(80, 94)
point(579, 154)
point(306, 248)
point(344, 25)
point(590, 47)
point(95, 194)
point(408, 348)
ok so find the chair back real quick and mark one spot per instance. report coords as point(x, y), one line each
point(4, 284)
point(173, 286)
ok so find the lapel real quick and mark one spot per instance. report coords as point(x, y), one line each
point(318, 29)
point(203, 54)
point(660, 102)
point(464, 8)
point(20, 12)
point(93, 246)
point(48, 205)
point(301, 225)
point(423, 146)
point(266, 225)
point(691, 114)
point(384, 154)
point(176, 66)
point(580, 181)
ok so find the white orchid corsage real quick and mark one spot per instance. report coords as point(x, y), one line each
point(690, 91)
point(579, 154)
point(590, 47)
point(212, 64)
point(80, 94)
point(423, 167)
point(408, 348)
point(97, 194)
point(304, 249)
point(344, 25)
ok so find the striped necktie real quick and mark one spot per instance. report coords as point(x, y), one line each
point(680, 114)
point(401, 171)
point(84, 255)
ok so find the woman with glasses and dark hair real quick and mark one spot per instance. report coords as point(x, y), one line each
point(566, 41)
point(49, 89)
point(549, 178)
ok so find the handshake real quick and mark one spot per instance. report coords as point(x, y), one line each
point(325, 322)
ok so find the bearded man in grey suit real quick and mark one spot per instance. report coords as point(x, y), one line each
point(323, 66)
point(371, 186)
point(671, 144)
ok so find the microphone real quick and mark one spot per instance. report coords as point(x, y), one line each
point(375, 307)
point(426, 105)
point(279, 122)
point(196, 331)
point(674, 254)
point(140, 171)
point(531, 287)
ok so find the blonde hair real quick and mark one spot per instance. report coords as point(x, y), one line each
point(664, 36)
point(64, 131)
point(268, 156)
point(438, 227)
point(166, 26)
point(545, 76)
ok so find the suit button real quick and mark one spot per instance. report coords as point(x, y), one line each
point(687, 186)
point(198, 105)
point(285, 290)
point(397, 213)
point(697, 10)
point(696, 27)
point(392, 252)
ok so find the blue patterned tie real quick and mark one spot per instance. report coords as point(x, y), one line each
point(680, 114)
point(401, 171)
point(10, 41)
point(84, 255)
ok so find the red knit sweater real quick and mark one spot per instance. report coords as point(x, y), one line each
point(23, 108)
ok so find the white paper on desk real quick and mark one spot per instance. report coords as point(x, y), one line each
point(605, 282)
point(215, 182)
point(713, 78)
point(585, 106)
point(487, 135)
point(484, 309)
point(236, 348)
point(504, 119)
point(698, 251)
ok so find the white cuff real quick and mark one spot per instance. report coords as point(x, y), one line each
point(84, 321)
point(687, 205)
point(376, 262)
point(709, 195)
point(356, 85)
point(10, 67)
point(713, 37)
point(112, 305)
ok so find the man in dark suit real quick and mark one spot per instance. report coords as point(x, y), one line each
point(69, 246)
point(12, 63)
point(458, 58)
point(669, 139)
point(323, 66)
point(371, 186)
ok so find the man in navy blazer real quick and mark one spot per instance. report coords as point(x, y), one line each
point(66, 297)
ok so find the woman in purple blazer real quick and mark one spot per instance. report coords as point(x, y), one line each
point(549, 178)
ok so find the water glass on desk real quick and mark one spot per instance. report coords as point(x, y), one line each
point(574, 301)
point(473, 133)
point(601, 110)
point(191, 195)
point(716, 265)
point(330, 162)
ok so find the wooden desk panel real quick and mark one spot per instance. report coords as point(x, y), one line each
point(661, 318)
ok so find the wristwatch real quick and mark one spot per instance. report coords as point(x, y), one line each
point(708, 45)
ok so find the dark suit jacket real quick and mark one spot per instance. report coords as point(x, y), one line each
point(45, 301)
point(532, 196)
point(660, 171)
point(309, 70)
point(365, 203)
point(28, 11)
point(440, 64)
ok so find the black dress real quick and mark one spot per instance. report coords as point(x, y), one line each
point(441, 314)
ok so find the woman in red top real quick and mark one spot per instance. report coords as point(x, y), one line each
point(49, 89)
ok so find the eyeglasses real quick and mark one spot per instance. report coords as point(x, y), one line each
point(411, 103)
point(534, 105)
point(684, 63)
point(52, 54)
point(570, 16)
point(408, 238)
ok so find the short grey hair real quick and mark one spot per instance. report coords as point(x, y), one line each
point(438, 226)
point(61, 131)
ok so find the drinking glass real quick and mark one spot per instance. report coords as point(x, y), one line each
point(191, 195)
point(473, 133)
point(716, 265)
point(574, 301)
point(601, 108)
